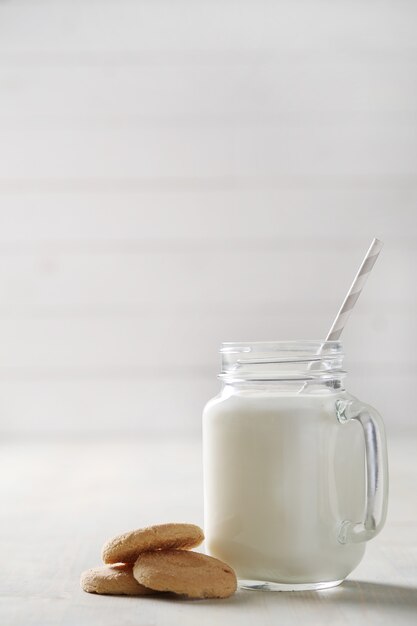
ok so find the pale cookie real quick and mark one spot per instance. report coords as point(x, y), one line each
point(187, 573)
point(115, 580)
point(127, 547)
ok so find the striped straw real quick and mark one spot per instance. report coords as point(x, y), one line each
point(355, 290)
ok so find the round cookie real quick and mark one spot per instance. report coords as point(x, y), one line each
point(115, 580)
point(187, 573)
point(127, 547)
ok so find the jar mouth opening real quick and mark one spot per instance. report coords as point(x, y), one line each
point(308, 346)
point(311, 359)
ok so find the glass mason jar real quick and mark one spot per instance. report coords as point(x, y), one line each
point(295, 468)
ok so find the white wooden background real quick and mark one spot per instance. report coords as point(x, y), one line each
point(176, 173)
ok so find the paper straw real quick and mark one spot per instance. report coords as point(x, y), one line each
point(355, 290)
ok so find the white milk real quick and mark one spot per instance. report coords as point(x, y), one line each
point(281, 475)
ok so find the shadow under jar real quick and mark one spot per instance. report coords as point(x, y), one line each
point(295, 468)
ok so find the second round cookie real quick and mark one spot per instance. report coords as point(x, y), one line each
point(113, 580)
point(186, 573)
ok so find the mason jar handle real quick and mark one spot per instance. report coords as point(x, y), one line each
point(376, 471)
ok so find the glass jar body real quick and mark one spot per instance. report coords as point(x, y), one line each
point(281, 475)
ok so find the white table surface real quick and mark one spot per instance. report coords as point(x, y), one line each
point(61, 500)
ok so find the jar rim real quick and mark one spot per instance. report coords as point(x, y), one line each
point(296, 345)
point(310, 359)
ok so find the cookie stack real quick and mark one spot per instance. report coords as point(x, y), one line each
point(159, 559)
